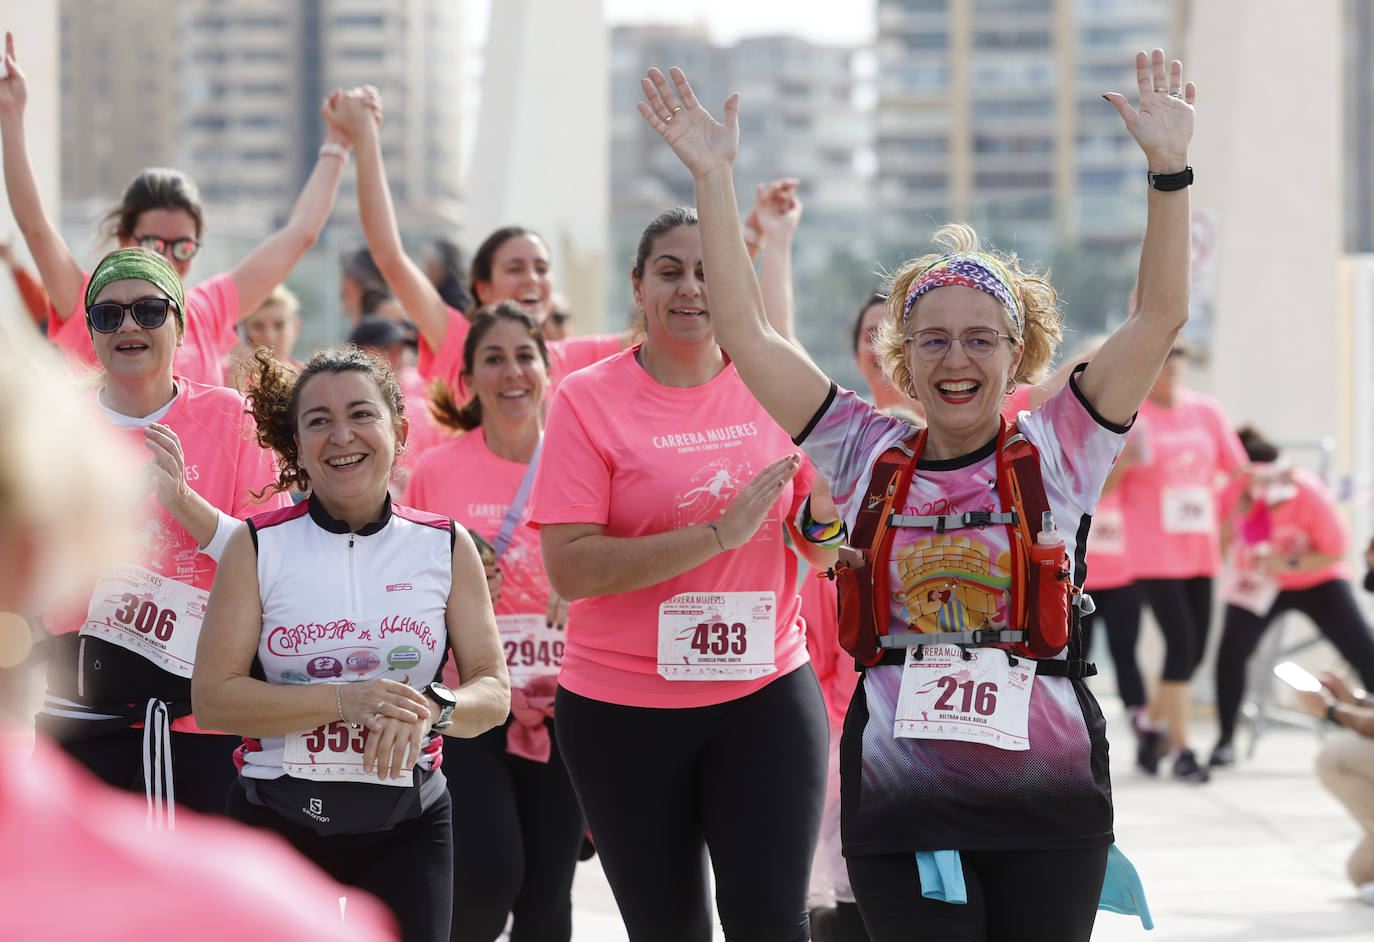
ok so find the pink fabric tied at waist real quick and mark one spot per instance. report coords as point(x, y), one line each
point(528, 737)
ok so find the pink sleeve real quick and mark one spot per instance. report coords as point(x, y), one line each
point(447, 363)
point(1324, 524)
point(72, 338)
point(254, 472)
point(214, 303)
point(801, 486)
point(1230, 494)
point(1230, 452)
point(416, 493)
point(574, 480)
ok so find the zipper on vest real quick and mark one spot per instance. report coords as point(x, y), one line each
point(352, 579)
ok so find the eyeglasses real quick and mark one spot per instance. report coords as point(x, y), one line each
point(1178, 352)
point(183, 250)
point(979, 343)
point(149, 313)
point(559, 318)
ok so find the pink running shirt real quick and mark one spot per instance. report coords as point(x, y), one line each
point(70, 837)
point(1107, 564)
point(565, 356)
point(1306, 522)
point(212, 310)
point(1170, 500)
point(643, 458)
point(462, 479)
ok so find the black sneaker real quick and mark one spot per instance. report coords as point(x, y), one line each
point(1148, 744)
point(1186, 768)
point(1223, 754)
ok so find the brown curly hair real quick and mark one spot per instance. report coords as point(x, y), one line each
point(275, 394)
point(1044, 326)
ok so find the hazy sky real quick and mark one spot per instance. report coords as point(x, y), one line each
point(824, 21)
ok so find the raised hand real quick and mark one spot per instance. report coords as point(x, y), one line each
point(1164, 124)
point(353, 113)
point(745, 514)
point(168, 465)
point(14, 91)
point(703, 144)
point(777, 209)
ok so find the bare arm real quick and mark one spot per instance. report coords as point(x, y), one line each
point(225, 697)
point(56, 265)
point(268, 265)
point(777, 211)
point(582, 561)
point(1121, 374)
point(407, 281)
point(783, 379)
point(484, 695)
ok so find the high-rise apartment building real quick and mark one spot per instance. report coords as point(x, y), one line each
point(230, 93)
point(800, 117)
point(990, 111)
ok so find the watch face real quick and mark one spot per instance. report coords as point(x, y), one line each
point(442, 695)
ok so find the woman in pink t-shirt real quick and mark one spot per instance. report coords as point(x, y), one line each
point(1185, 450)
point(517, 825)
point(160, 211)
point(1286, 546)
point(1008, 793)
point(687, 714)
point(119, 679)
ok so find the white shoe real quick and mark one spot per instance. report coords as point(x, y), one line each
point(1366, 891)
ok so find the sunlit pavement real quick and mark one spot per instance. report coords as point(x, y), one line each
point(1258, 853)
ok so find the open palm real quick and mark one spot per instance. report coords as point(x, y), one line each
point(1163, 125)
point(701, 142)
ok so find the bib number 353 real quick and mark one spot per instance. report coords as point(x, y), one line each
point(984, 700)
point(332, 753)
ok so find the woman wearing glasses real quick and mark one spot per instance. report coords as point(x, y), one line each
point(160, 211)
point(124, 658)
point(1019, 826)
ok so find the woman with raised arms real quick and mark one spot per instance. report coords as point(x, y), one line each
point(1023, 801)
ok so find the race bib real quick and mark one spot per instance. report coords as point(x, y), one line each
point(983, 700)
point(333, 753)
point(153, 616)
point(1108, 533)
point(533, 648)
point(1187, 510)
point(1247, 586)
point(716, 635)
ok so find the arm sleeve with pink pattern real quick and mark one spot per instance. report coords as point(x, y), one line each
point(446, 363)
point(573, 484)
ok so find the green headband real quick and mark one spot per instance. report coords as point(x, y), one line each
point(123, 264)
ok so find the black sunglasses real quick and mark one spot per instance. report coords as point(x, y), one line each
point(183, 250)
point(149, 313)
point(559, 318)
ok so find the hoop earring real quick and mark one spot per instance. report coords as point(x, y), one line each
point(1011, 386)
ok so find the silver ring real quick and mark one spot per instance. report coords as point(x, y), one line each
point(1175, 94)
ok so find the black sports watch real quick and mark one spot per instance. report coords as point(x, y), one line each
point(446, 700)
point(1168, 182)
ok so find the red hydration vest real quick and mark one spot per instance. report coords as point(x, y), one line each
point(1039, 617)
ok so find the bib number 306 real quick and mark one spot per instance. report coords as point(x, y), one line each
point(984, 699)
point(154, 616)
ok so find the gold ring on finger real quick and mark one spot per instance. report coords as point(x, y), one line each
point(1161, 88)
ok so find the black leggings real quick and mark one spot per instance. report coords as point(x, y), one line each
point(1183, 609)
point(202, 765)
point(1013, 896)
point(516, 834)
point(1118, 611)
point(1332, 608)
point(408, 867)
point(745, 778)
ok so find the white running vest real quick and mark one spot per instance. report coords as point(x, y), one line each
point(342, 607)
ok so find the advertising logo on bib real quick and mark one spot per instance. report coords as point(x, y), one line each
point(403, 658)
point(362, 662)
point(323, 667)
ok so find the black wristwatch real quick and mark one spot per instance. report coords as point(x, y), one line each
point(1167, 182)
point(446, 700)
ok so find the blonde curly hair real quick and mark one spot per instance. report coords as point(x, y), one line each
point(1044, 323)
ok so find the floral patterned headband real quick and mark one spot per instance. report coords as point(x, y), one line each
point(972, 270)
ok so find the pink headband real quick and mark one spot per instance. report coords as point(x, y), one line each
point(972, 270)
